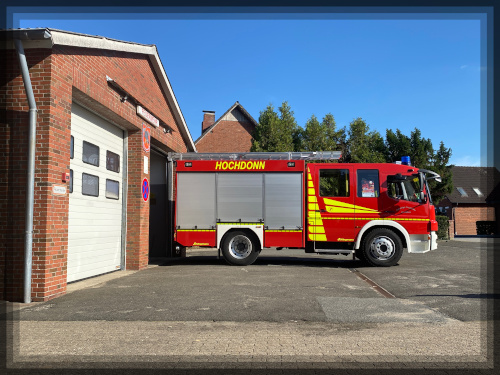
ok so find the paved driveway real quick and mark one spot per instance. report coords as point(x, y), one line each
point(287, 307)
point(287, 285)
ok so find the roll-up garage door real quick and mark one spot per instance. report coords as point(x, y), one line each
point(95, 198)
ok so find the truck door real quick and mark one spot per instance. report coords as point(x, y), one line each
point(367, 197)
point(330, 202)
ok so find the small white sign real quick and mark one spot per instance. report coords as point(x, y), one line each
point(59, 190)
point(147, 116)
point(145, 164)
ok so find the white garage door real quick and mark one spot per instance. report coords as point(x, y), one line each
point(95, 198)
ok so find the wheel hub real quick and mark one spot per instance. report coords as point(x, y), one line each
point(382, 248)
point(240, 247)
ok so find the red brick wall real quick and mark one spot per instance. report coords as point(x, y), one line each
point(466, 217)
point(58, 77)
point(13, 167)
point(227, 136)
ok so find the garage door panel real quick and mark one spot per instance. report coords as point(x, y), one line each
point(93, 257)
point(95, 222)
point(104, 216)
point(75, 274)
point(84, 206)
point(82, 241)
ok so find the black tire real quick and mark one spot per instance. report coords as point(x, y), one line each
point(240, 248)
point(381, 248)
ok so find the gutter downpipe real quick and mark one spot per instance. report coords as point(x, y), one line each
point(30, 185)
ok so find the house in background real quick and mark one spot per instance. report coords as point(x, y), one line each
point(232, 132)
point(474, 203)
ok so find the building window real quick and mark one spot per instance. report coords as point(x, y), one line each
point(334, 182)
point(112, 189)
point(462, 192)
point(72, 148)
point(90, 153)
point(90, 185)
point(71, 180)
point(112, 161)
point(477, 191)
point(368, 183)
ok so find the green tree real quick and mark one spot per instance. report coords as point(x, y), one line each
point(397, 145)
point(439, 164)
point(276, 132)
point(419, 149)
point(364, 146)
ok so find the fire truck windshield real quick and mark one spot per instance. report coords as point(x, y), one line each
point(406, 188)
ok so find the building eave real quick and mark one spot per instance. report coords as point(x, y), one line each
point(47, 38)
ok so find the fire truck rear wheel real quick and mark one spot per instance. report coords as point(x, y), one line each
point(240, 248)
point(382, 248)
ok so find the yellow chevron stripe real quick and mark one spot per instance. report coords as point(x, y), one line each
point(312, 199)
point(313, 206)
point(313, 214)
point(317, 237)
point(335, 203)
point(316, 229)
point(314, 221)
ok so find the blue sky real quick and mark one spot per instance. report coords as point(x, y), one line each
point(395, 72)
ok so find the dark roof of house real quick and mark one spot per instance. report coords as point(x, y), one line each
point(486, 179)
point(240, 107)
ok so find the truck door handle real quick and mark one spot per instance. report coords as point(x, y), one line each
point(320, 210)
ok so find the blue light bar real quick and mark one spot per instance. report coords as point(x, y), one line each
point(405, 160)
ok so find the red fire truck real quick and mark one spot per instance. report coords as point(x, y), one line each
point(241, 203)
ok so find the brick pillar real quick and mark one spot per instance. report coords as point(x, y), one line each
point(137, 209)
point(451, 229)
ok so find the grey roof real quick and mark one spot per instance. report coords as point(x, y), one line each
point(236, 104)
point(486, 179)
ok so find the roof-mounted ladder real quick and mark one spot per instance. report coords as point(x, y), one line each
point(316, 155)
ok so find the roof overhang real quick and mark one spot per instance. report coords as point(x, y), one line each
point(47, 38)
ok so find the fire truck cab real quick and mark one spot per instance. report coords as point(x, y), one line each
point(242, 203)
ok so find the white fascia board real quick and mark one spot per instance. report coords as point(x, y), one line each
point(89, 41)
point(172, 101)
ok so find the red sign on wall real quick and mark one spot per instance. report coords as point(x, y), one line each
point(145, 189)
point(146, 137)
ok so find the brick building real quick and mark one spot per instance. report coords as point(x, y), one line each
point(97, 99)
point(232, 132)
point(473, 205)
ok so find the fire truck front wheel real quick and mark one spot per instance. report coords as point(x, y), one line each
point(240, 248)
point(382, 248)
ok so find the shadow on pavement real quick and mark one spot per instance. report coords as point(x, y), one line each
point(206, 260)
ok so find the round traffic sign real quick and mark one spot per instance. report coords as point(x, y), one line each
point(145, 189)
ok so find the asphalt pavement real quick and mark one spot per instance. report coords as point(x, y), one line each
point(287, 307)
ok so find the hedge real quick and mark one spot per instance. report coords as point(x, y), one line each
point(443, 225)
